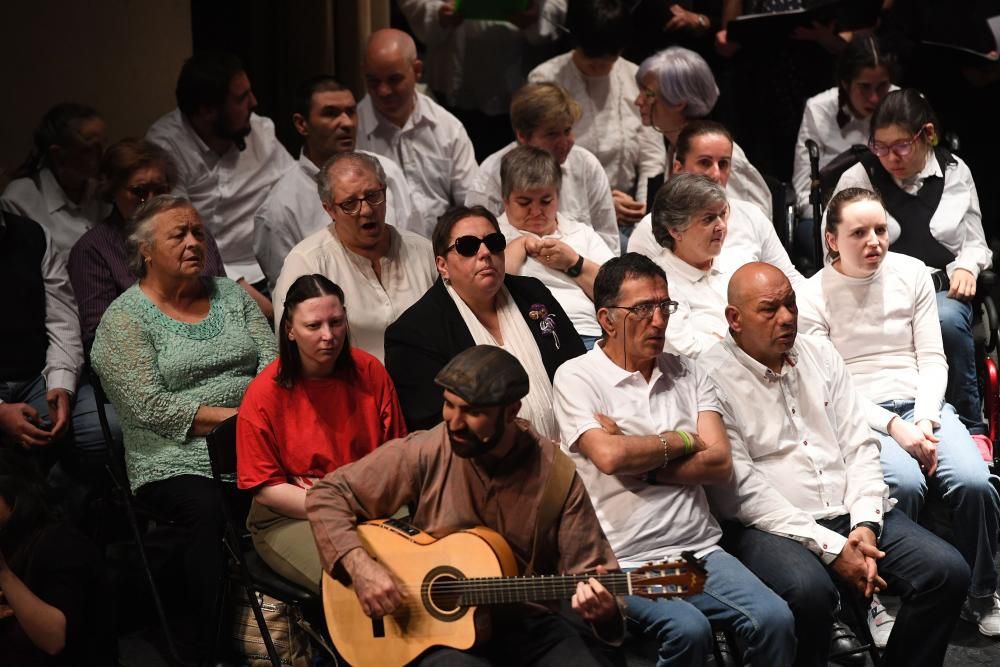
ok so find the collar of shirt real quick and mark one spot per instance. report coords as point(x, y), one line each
point(307, 165)
point(692, 273)
point(55, 197)
point(369, 117)
point(207, 154)
point(913, 184)
point(395, 247)
point(757, 368)
point(617, 375)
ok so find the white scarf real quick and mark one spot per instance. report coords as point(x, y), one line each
point(536, 407)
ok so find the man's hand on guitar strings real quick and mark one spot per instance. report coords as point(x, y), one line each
point(377, 590)
point(593, 601)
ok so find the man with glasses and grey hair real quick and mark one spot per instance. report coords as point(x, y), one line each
point(381, 269)
point(645, 432)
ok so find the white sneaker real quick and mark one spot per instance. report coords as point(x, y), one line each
point(880, 621)
point(984, 612)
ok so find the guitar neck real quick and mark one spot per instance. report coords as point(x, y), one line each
point(487, 591)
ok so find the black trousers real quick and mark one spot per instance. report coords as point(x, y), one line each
point(928, 574)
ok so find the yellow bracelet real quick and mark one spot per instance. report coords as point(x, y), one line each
point(688, 443)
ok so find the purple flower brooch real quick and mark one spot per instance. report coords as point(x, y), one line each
point(546, 321)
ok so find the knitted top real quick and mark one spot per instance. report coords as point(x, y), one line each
point(158, 371)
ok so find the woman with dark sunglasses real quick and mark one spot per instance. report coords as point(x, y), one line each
point(475, 302)
point(933, 214)
point(132, 171)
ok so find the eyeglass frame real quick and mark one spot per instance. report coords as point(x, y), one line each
point(381, 192)
point(482, 242)
point(671, 308)
point(873, 145)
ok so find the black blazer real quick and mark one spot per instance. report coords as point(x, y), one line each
point(431, 331)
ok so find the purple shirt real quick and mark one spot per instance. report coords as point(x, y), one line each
point(99, 272)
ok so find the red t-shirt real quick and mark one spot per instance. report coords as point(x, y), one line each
point(316, 426)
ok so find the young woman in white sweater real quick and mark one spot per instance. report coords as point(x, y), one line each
point(879, 310)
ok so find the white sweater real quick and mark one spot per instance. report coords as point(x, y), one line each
point(886, 328)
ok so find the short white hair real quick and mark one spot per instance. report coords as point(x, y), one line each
point(682, 76)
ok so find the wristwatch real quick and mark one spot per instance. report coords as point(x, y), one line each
point(576, 269)
point(870, 525)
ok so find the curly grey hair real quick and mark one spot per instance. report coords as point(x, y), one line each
point(679, 200)
point(139, 229)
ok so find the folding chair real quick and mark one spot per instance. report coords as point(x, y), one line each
point(247, 567)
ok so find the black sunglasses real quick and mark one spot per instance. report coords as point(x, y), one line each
point(468, 246)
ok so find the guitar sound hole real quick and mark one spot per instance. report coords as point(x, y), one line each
point(440, 593)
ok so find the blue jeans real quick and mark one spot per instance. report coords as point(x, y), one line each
point(960, 350)
point(734, 599)
point(589, 341)
point(965, 483)
point(924, 570)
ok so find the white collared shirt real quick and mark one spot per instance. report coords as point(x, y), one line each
point(432, 149)
point(226, 190)
point(408, 270)
point(643, 522)
point(700, 320)
point(64, 354)
point(47, 204)
point(610, 126)
point(585, 195)
point(293, 211)
point(957, 223)
point(887, 330)
point(585, 241)
point(819, 123)
point(802, 449)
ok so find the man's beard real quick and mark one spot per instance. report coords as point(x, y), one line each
point(474, 446)
point(237, 136)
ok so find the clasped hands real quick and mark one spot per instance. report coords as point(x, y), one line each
point(918, 440)
point(856, 564)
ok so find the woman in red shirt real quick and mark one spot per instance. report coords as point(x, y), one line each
point(320, 405)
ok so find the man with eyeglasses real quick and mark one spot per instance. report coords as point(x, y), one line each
point(644, 430)
point(381, 269)
point(326, 117)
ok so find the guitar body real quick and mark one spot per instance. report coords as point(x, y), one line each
point(426, 619)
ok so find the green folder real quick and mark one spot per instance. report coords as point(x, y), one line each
point(490, 10)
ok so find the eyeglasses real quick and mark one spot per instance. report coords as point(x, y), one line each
point(144, 192)
point(644, 311)
point(468, 246)
point(900, 148)
point(353, 206)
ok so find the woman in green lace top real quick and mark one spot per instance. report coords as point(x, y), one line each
point(175, 353)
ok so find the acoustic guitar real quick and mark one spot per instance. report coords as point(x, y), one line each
point(446, 581)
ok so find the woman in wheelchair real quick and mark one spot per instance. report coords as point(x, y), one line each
point(933, 215)
point(838, 118)
point(879, 310)
point(322, 404)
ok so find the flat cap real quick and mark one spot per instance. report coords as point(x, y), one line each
point(484, 375)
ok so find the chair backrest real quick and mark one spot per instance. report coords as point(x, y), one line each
point(115, 448)
point(222, 450)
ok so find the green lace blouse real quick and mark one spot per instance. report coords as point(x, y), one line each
point(158, 371)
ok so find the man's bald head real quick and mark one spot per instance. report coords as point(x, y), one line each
point(752, 278)
point(762, 314)
point(391, 74)
point(390, 43)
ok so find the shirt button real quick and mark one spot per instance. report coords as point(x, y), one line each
point(825, 547)
point(793, 411)
point(805, 442)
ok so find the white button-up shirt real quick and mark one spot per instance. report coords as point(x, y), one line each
point(64, 354)
point(408, 270)
point(225, 189)
point(293, 211)
point(700, 320)
point(610, 126)
point(47, 204)
point(585, 241)
point(643, 522)
point(802, 450)
point(432, 149)
point(957, 223)
point(585, 195)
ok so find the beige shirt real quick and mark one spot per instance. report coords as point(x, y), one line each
point(408, 271)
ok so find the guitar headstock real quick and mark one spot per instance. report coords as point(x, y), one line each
point(668, 579)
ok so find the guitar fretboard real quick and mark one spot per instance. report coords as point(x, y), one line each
point(532, 589)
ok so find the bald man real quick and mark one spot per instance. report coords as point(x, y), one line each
point(807, 496)
point(394, 120)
